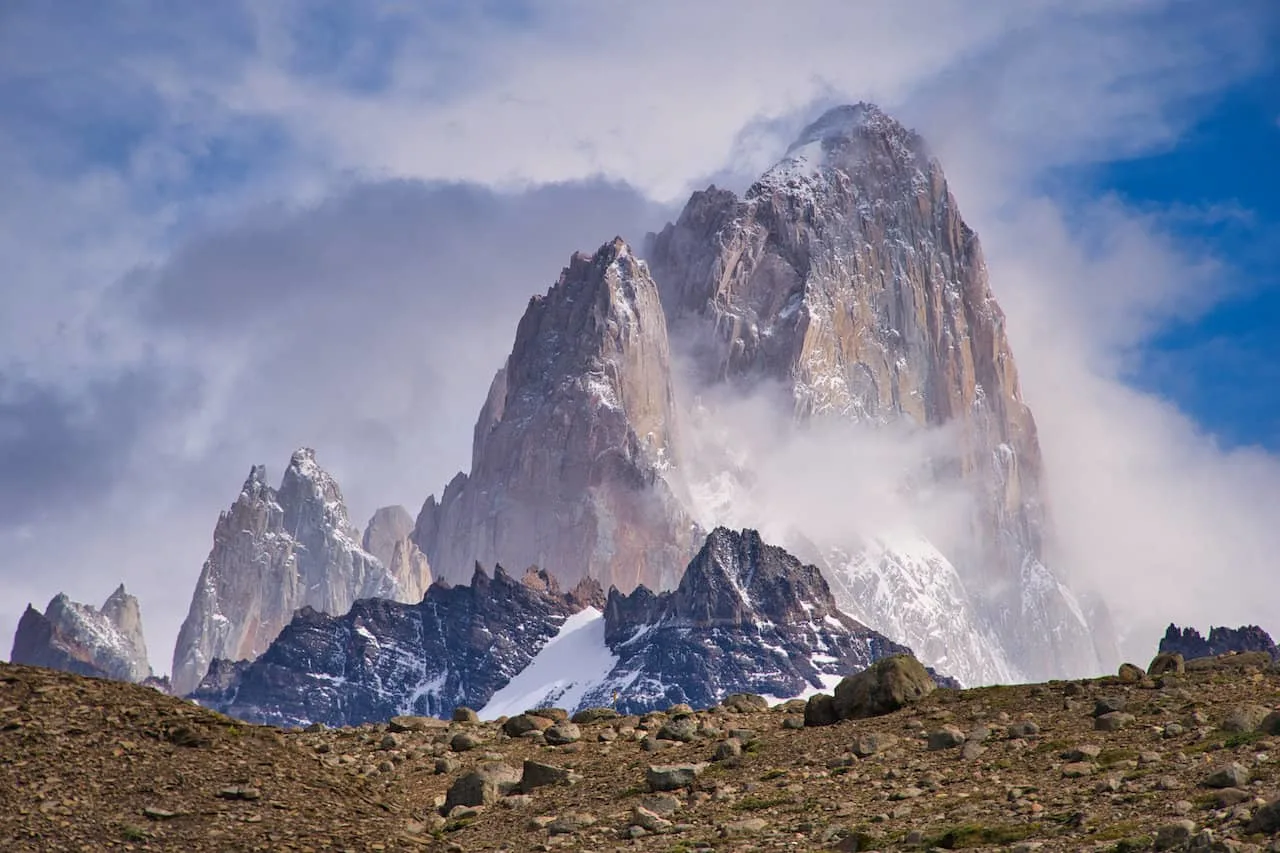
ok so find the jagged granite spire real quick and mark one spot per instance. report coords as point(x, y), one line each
point(388, 537)
point(574, 440)
point(847, 275)
point(103, 643)
point(274, 552)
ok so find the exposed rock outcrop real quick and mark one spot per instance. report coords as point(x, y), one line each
point(275, 551)
point(574, 441)
point(383, 658)
point(847, 275)
point(389, 538)
point(73, 637)
point(1189, 643)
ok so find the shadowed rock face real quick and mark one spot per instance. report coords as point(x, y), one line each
point(382, 658)
point(574, 442)
point(73, 637)
point(1189, 643)
point(275, 551)
point(847, 274)
point(747, 617)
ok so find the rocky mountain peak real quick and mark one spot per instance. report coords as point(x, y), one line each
point(275, 551)
point(389, 537)
point(847, 277)
point(573, 443)
point(737, 579)
point(1222, 640)
point(105, 643)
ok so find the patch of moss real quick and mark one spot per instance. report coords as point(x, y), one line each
point(1116, 831)
point(773, 774)
point(1111, 757)
point(753, 803)
point(979, 835)
point(129, 832)
point(1136, 844)
point(1242, 739)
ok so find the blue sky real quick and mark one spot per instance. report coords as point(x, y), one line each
point(216, 214)
point(1219, 186)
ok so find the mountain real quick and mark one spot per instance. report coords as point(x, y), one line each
point(275, 551)
point(575, 442)
point(747, 617)
point(847, 276)
point(1189, 643)
point(389, 537)
point(382, 658)
point(79, 638)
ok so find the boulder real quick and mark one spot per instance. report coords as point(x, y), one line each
point(820, 710)
point(672, 777)
point(1167, 662)
point(882, 688)
point(483, 786)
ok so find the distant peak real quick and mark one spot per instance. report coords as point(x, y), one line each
point(257, 479)
point(118, 595)
point(303, 456)
point(846, 122)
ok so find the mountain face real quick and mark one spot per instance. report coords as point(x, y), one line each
point(572, 448)
point(847, 275)
point(455, 647)
point(275, 551)
point(1189, 643)
point(72, 637)
point(389, 538)
point(747, 617)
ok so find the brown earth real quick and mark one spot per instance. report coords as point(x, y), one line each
point(93, 765)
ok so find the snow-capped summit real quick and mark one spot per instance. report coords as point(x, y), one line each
point(847, 276)
point(275, 551)
point(104, 643)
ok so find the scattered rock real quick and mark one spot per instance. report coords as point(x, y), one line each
point(463, 714)
point(727, 749)
point(482, 786)
point(673, 777)
point(1109, 705)
point(239, 792)
point(1023, 729)
point(794, 723)
point(1077, 769)
point(1174, 835)
point(1084, 752)
point(571, 822)
point(1266, 819)
point(871, 743)
point(820, 710)
point(648, 820)
point(587, 716)
point(1233, 775)
point(539, 775)
point(1131, 674)
point(742, 828)
point(464, 742)
point(946, 738)
point(522, 724)
point(1113, 721)
point(415, 724)
point(562, 733)
point(684, 730)
point(745, 703)
point(1244, 719)
point(158, 814)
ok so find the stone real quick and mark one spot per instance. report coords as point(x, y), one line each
point(539, 775)
point(1233, 775)
point(972, 749)
point(820, 710)
point(673, 777)
point(1244, 719)
point(1174, 835)
point(651, 821)
point(1130, 674)
point(562, 733)
point(684, 730)
point(157, 813)
point(945, 738)
point(571, 822)
point(522, 724)
point(389, 741)
point(465, 742)
point(882, 688)
point(1266, 819)
point(1167, 663)
point(404, 724)
point(661, 804)
point(1084, 752)
point(1109, 705)
point(1077, 769)
point(587, 716)
point(463, 714)
point(1113, 721)
point(727, 749)
point(1023, 729)
point(745, 703)
point(239, 792)
point(482, 786)
point(743, 828)
point(1270, 724)
point(795, 723)
point(872, 743)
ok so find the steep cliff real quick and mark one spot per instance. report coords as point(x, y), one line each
point(389, 537)
point(574, 444)
point(275, 551)
point(103, 643)
point(847, 275)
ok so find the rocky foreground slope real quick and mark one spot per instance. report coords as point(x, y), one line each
point(1175, 761)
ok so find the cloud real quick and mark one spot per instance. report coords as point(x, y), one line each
point(225, 233)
